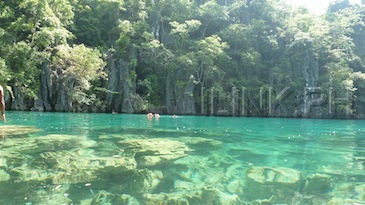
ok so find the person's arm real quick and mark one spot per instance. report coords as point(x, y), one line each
point(2, 104)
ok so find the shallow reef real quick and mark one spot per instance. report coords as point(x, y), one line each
point(133, 168)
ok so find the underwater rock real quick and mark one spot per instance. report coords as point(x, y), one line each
point(17, 146)
point(235, 187)
point(115, 165)
point(45, 143)
point(138, 182)
point(341, 201)
point(105, 198)
point(3, 162)
point(198, 168)
point(203, 195)
point(150, 152)
point(213, 195)
point(4, 176)
point(62, 142)
point(343, 189)
point(236, 180)
point(190, 160)
point(360, 192)
point(229, 199)
point(128, 200)
point(317, 184)
point(162, 198)
point(356, 170)
point(71, 166)
point(51, 195)
point(209, 195)
point(265, 182)
point(31, 175)
point(14, 130)
point(235, 170)
point(184, 185)
point(270, 201)
point(83, 166)
point(122, 136)
point(63, 177)
point(202, 143)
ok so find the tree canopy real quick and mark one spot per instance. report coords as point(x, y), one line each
point(182, 56)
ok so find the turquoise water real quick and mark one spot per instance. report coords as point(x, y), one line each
point(129, 159)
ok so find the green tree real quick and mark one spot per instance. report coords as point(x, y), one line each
point(76, 67)
point(31, 30)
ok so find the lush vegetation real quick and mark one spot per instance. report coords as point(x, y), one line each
point(241, 57)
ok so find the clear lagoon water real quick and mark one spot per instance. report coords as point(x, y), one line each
point(82, 158)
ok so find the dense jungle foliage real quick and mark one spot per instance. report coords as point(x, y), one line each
point(210, 57)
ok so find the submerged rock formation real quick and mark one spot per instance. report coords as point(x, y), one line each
point(265, 182)
point(150, 152)
point(14, 130)
point(132, 168)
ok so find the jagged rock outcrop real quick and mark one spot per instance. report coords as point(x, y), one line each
point(54, 93)
point(43, 102)
point(18, 103)
point(122, 84)
point(179, 98)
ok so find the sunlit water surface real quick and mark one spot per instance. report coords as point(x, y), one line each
point(331, 153)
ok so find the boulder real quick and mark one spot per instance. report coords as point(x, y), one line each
point(265, 182)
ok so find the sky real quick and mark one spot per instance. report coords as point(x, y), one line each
point(316, 6)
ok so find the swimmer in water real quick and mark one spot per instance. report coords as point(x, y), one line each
point(150, 115)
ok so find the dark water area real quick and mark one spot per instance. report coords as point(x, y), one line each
point(82, 158)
